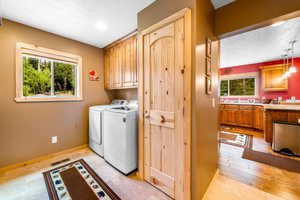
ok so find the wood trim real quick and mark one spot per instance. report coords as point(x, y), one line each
point(24, 47)
point(166, 21)
point(271, 67)
point(51, 54)
point(241, 75)
point(46, 99)
point(187, 15)
point(141, 106)
point(129, 35)
point(41, 158)
point(188, 103)
point(213, 182)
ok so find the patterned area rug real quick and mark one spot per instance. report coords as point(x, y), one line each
point(77, 181)
point(234, 139)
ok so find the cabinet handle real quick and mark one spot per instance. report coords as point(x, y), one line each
point(154, 181)
point(162, 119)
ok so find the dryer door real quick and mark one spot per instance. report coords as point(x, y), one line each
point(95, 124)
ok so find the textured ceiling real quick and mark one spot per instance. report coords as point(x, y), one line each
point(220, 3)
point(77, 19)
point(264, 44)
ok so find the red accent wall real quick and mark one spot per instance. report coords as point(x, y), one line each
point(294, 80)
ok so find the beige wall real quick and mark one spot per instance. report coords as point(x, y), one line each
point(204, 123)
point(205, 116)
point(244, 15)
point(26, 128)
point(161, 9)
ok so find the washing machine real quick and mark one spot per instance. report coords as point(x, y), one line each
point(96, 125)
point(120, 137)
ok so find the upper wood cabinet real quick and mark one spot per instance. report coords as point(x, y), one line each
point(272, 78)
point(121, 65)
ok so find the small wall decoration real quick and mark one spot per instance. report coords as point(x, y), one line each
point(208, 67)
point(94, 75)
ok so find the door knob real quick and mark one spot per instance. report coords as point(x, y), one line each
point(162, 119)
point(154, 181)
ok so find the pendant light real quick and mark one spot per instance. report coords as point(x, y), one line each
point(286, 63)
point(293, 68)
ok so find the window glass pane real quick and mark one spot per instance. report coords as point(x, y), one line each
point(64, 79)
point(36, 76)
point(236, 87)
point(224, 88)
point(250, 86)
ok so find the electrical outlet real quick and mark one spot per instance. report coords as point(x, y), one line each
point(54, 139)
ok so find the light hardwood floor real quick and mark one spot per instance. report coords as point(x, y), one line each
point(238, 172)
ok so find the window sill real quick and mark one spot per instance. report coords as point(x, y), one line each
point(230, 97)
point(43, 99)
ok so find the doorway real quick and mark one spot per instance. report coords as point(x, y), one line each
point(259, 76)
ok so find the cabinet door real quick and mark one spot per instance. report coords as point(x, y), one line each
point(121, 65)
point(231, 116)
point(246, 118)
point(128, 65)
point(258, 121)
point(119, 53)
point(107, 68)
point(272, 78)
point(134, 61)
point(113, 67)
point(222, 115)
point(273, 115)
point(294, 116)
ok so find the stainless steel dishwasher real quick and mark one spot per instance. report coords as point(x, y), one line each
point(286, 138)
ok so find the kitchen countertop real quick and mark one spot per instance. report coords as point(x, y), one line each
point(269, 106)
point(248, 104)
point(281, 107)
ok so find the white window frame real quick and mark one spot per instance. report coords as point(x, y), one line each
point(36, 51)
point(254, 75)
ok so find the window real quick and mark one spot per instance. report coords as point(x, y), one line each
point(238, 87)
point(47, 75)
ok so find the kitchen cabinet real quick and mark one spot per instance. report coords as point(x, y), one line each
point(242, 115)
point(245, 115)
point(258, 121)
point(278, 115)
point(121, 65)
point(272, 78)
point(230, 114)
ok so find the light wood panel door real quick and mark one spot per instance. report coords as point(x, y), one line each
point(165, 113)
